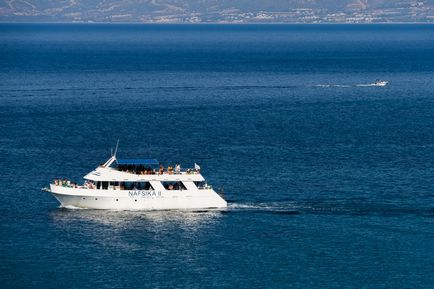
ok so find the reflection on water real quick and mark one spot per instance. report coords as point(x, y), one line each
point(124, 219)
point(132, 231)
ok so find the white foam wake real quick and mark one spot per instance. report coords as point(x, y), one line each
point(70, 207)
point(374, 84)
point(272, 206)
point(332, 85)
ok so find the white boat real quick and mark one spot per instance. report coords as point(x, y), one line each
point(380, 83)
point(138, 184)
point(376, 83)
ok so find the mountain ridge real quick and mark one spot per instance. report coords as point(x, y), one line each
point(218, 11)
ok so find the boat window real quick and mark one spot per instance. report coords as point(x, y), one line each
point(98, 185)
point(173, 186)
point(104, 185)
point(127, 185)
point(114, 185)
point(143, 186)
point(201, 185)
point(136, 185)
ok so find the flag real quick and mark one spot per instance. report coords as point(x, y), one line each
point(196, 166)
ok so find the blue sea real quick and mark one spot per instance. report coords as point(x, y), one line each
point(329, 180)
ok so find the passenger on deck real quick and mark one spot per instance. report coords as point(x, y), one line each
point(178, 169)
point(161, 171)
point(170, 170)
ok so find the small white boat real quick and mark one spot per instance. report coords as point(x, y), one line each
point(376, 83)
point(138, 184)
point(380, 83)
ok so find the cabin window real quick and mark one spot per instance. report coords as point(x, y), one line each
point(114, 185)
point(127, 185)
point(98, 185)
point(104, 185)
point(173, 186)
point(146, 186)
point(201, 185)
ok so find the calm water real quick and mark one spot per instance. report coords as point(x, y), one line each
point(330, 183)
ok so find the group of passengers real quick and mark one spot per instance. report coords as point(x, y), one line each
point(89, 185)
point(192, 171)
point(65, 183)
point(139, 170)
point(142, 170)
point(170, 170)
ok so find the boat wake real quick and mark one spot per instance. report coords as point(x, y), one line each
point(378, 83)
point(332, 85)
point(272, 207)
point(332, 207)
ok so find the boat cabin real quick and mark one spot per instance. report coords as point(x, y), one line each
point(140, 174)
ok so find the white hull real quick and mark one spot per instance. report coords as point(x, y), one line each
point(382, 83)
point(137, 199)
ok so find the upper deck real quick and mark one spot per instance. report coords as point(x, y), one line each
point(141, 170)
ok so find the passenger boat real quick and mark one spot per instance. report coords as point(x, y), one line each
point(138, 184)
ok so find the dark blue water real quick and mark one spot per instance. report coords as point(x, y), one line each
point(329, 183)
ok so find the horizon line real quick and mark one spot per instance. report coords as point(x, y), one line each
point(217, 23)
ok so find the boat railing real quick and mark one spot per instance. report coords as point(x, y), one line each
point(188, 171)
point(68, 184)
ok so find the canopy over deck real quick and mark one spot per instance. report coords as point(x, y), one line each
point(137, 162)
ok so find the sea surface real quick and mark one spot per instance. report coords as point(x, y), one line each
point(330, 180)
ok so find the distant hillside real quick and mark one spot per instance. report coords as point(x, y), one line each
point(218, 11)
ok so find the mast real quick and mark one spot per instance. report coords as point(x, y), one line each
point(116, 149)
point(113, 156)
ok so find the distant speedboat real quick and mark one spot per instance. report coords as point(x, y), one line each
point(380, 83)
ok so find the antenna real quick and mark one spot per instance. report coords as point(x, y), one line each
point(116, 149)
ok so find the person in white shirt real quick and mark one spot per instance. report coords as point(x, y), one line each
point(178, 168)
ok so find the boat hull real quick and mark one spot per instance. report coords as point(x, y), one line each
point(136, 199)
